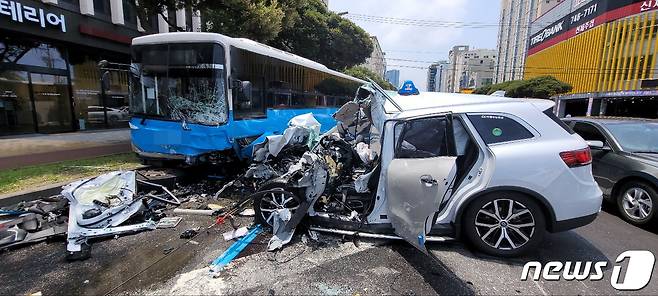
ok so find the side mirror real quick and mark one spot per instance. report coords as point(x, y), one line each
point(598, 145)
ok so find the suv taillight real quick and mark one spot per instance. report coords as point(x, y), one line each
point(577, 158)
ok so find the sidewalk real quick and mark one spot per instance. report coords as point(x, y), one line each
point(35, 149)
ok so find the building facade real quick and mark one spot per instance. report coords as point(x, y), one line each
point(393, 77)
point(544, 6)
point(469, 69)
point(515, 19)
point(606, 49)
point(377, 60)
point(437, 76)
point(49, 54)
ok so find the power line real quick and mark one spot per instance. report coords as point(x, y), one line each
point(438, 23)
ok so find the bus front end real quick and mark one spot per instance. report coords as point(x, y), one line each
point(179, 101)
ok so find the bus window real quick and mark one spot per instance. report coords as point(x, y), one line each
point(248, 67)
point(181, 82)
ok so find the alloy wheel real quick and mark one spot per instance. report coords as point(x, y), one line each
point(276, 199)
point(505, 224)
point(637, 203)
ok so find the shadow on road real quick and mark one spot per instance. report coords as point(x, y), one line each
point(612, 209)
point(565, 246)
point(441, 278)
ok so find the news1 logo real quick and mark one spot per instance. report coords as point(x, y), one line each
point(638, 271)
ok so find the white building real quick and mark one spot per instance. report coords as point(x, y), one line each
point(515, 19)
point(470, 69)
point(377, 60)
point(437, 76)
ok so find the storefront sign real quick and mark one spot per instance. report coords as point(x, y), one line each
point(649, 5)
point(582, 20)
point(586, 17)
point(22, 14)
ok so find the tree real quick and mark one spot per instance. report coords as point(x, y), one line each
point(303, 27)
point(259, 20)
point(325, 37)
point(541, 87)
point(363, 73)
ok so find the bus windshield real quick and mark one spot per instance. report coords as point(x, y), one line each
point(182, 82)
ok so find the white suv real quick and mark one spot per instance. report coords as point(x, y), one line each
point(498, 171)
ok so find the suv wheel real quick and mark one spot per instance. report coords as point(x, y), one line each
point(637, 202)
point(504, 224)
point(273, 197)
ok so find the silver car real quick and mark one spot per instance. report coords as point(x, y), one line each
point(499, 172)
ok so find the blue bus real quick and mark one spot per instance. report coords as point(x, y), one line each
point(207, 98)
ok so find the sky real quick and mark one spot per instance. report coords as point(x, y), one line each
point(424, 43)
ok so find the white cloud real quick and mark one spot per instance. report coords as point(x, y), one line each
point(415, 39)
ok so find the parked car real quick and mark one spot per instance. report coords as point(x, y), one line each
point(96, 114)
point(500, 172)
point(625, 153)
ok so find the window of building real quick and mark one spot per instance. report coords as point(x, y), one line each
point(423, 138)
point(15, 104)
point(129, 14)
point(102, 8)
point(498, 129)
point(85, 81)
point(69, 4)
point(31, 53)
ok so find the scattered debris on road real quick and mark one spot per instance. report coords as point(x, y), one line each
point(234, 250)
point(190, 233)
point(98, 207)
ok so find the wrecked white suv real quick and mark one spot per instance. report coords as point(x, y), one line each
point(499, 172)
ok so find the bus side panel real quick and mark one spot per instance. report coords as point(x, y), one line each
point(275, 124)
point(168, 139)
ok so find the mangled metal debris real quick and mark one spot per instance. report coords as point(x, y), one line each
point(32, 222)
point(332, 178)
point(302, 130)
point(98, 207)
point(281, 237)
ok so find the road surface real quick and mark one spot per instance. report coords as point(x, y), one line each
point(137, 265)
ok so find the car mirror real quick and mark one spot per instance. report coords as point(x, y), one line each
point(598, 145)
point(595, 144)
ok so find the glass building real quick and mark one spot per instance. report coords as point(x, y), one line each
point(49, 54)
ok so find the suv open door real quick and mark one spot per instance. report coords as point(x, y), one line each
point(420, 175)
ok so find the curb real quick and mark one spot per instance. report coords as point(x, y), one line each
point(31, 194)
point(43, 191)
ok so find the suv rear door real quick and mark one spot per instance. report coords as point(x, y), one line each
point(421, 175)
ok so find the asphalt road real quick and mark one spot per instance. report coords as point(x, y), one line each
point(377, 267)
point(137, 264)
point(603, 240)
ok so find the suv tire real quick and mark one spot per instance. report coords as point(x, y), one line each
point(493, 229)
point(272, 196)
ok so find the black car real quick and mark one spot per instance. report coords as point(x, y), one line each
point(625, 162)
